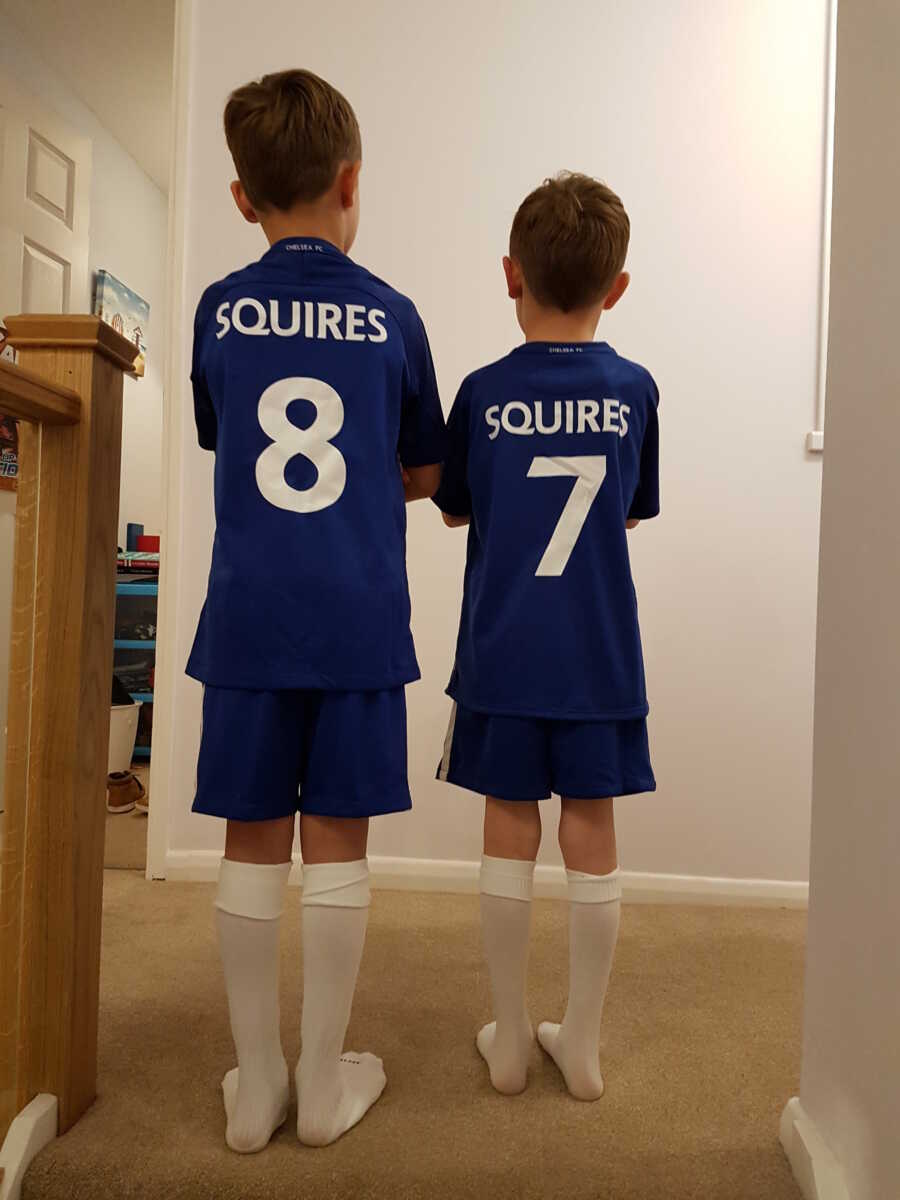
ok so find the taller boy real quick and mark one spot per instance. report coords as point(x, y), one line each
point(313, 384)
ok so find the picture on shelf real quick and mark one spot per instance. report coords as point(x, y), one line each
point(9, 454)
point(126, 311)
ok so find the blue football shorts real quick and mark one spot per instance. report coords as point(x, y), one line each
point(530, 758)
point(265, 755)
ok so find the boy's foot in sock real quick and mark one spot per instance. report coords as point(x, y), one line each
point(328, 1107)
point(255, 1110)
point(580, 1069)
point(507, 1058)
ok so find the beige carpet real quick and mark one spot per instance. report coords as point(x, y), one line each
point(126, 834)
point(702, 1029)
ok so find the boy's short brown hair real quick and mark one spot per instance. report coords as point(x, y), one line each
point(570, 237)
point(288, 133)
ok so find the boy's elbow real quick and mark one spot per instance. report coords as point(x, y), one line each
point(454, 522)
point(431, 484)
point(421, 483)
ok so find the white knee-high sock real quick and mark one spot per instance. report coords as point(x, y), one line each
point(505, 1043)
point(248, 916)
point(594, 904)
point(334, 1090)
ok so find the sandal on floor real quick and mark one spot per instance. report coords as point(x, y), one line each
point(123, 792)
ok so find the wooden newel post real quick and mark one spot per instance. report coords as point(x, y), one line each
point(59, 702)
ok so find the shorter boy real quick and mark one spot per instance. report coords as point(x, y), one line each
point(553, 453)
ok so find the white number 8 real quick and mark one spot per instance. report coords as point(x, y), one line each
point(289, 440)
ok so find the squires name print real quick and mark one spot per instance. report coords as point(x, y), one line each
point(301, 318)
point(557, 416)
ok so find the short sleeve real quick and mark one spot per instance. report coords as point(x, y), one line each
point(204, 412)
point(423, 435)
point(453, 496)
point(645, 503)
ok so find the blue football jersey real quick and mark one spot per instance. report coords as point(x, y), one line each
point(313, 382)
point(550, 450)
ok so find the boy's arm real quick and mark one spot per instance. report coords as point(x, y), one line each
point(420, 483)
point(645, 502)
point(453, 497)
point(204, 412)
point(455, 522)
point(423, 434)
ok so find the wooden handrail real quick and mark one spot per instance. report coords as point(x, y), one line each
point(71, 331)
point(69, 390)
point(29, 397)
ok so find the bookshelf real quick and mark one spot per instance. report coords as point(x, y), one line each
point(134, 649)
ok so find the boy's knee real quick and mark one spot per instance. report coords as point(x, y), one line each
point(529, 835)
point(512, 829)
point(260, 841)
point(528, 842)
point(567, 841)
point(519, 844)
point(587, 837)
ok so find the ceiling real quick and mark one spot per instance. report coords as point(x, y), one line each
point(116, 55)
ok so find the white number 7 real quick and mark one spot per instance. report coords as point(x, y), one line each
point(589, 471)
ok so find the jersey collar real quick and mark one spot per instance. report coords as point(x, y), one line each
point(301, 247)
point(563, 349)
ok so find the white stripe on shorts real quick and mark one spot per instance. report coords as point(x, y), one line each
point(448, 745)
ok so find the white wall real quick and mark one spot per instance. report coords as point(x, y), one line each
point(851, 1052)
point(128, 237)
point(709, 121)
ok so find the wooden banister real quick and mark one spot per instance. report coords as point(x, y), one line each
point(71, 331)
point(68, 392)
point(28, 397)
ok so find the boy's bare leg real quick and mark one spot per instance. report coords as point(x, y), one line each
point(250, 898)
point(512, 836)
point(587, 838)
point(334, 1089)
point(262, 842)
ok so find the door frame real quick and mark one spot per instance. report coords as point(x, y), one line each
point(169, 669)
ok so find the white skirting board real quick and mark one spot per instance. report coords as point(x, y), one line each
point(33, 1129)
point(817, 1171)
point(448, 875)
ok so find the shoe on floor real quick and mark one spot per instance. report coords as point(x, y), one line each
point(123, 792)
point(142, 802)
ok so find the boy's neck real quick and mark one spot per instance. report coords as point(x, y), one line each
point(306, 223)
point(554, 325)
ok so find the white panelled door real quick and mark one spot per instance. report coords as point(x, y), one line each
point(45, 183)
point(45, 188)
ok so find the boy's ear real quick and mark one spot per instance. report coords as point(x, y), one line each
point(617, 291)
point(348, 182)
point(514, 280)
point(245, 208)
